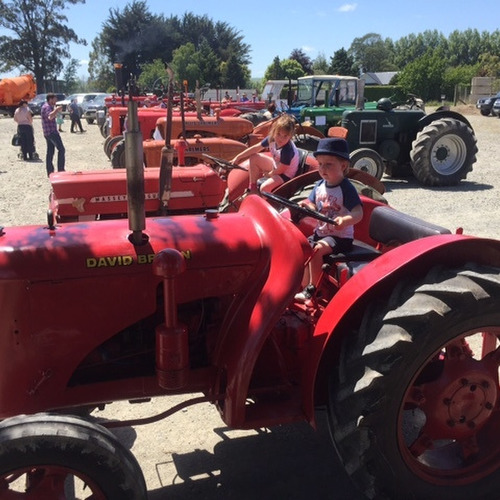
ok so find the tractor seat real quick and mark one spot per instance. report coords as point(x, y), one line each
point(391, 227)
point(302, 168)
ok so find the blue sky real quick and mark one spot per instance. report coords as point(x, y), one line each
point(277, 27)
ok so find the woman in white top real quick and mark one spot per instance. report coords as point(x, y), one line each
point(24, 120)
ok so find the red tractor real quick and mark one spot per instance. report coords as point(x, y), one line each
point(400, 342)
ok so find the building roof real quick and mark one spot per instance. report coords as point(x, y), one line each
point(378, 78)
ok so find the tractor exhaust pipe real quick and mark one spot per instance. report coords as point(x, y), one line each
point(167, 152)
point(135, 174)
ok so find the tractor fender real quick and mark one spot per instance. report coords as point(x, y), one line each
point(377, 279)
point(438, 115)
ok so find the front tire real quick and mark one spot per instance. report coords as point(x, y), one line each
point(368, 160)
point(42, 455)
point(414, 410)
point(443, 152)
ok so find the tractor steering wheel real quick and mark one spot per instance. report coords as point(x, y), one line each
point(224, 164)
point(304, 211)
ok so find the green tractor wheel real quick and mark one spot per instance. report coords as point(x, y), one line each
point(369, 161)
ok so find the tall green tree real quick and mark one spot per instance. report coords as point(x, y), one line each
point(40, 37)
point(372, 53)
point(274, 71)
point(343, 64)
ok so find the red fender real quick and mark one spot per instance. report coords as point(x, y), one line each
point(376, 279)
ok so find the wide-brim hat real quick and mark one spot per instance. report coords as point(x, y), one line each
point(333, 146)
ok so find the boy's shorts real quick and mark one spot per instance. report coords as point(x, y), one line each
point(339, 245)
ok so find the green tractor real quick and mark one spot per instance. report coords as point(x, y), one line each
point(439, 148)
point(322, 99)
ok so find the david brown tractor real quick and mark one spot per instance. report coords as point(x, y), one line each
point(439, 148)
point(400, 342)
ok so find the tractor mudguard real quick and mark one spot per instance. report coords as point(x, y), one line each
point(236, 355)
point(445, 113)
point(343, 314)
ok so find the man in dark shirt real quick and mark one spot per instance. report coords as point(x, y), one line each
point(52, 137)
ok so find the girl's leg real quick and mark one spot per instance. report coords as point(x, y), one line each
point(259, 165)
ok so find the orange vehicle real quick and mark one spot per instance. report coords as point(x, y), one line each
point(13, 90)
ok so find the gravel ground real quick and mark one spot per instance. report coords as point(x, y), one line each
point(191, 454)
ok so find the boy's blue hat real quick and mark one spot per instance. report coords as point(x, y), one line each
point(333, 146)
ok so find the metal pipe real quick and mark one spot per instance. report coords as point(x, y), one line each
point(135, 174)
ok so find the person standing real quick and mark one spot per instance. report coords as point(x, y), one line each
point(52, 137)
point(74, 113)
point(24, 120)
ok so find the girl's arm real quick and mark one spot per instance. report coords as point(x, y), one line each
point(256, 148)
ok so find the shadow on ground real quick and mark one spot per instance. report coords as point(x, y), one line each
point(288, 462)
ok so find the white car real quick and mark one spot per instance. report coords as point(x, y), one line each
point(82, 100)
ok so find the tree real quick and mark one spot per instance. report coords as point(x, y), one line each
point(342, 64)
point(40, 39)
point(371, 53)
point(135, 36)
point(320, 65)
point(70, 76)
point(292, 69)
point(274, 71)
point(100, 69)
point(234, 74)
point(424, 76)
point(304, 60)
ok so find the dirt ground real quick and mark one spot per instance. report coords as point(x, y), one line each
point(192, 454)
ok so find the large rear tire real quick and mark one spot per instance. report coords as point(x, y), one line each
point(443, 152)
point(414, 408)
point(44, 455)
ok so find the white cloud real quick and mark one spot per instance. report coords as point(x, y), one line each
point(307, 48)
point(348, 7)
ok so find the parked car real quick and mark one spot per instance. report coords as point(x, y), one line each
point(95, 105)
point(495, 110)
point(485, 104)
point(82, 100)
point(37, 102)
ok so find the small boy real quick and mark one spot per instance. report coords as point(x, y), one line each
point(335, 197)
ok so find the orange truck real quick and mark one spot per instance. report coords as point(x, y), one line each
point(13, 90)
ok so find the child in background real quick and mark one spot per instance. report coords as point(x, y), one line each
point(59, 121)
point(283, 163)
point(335, 197)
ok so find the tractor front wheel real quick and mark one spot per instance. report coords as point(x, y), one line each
point(52, 456)
point(414, 409)
point(118, 155)
point(368, 160)
point(443, 152)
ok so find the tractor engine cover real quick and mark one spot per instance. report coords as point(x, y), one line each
point(87, 195)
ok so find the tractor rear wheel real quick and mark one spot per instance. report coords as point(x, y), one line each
point(368, 160)
point(46, 456)
point(443, 152)
point(414, 407)
point(110, 143)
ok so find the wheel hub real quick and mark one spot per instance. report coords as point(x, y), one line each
point(461, 401)
point(442, 153)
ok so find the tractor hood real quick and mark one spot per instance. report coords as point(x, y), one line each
point(225, 249)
